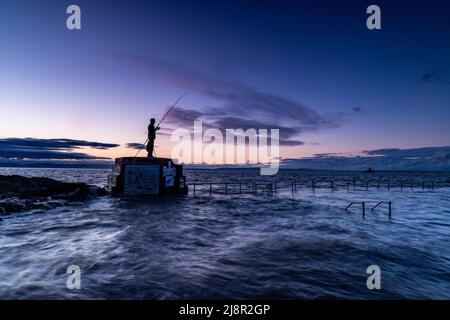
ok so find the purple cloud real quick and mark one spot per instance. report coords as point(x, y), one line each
point(61, 149)
point(419, 159)
point(240, 105)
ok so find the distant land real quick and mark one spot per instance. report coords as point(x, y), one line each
point(44, 165)
point(108, 165)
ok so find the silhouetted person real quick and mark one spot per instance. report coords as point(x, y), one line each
point(151, 137)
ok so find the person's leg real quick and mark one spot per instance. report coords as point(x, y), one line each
point(150, 148)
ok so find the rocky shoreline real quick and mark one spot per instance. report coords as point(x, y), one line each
point(19, 193)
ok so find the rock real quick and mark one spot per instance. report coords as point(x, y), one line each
point(15, 205)
point(38, 187)
point(19, 193)
point(97, 191)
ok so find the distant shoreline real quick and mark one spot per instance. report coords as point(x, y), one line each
point(324, 170)
point(91, 166)
point(56, 166)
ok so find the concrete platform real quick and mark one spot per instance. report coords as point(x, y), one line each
point(146, 176)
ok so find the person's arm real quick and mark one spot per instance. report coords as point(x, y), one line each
point(157, 128)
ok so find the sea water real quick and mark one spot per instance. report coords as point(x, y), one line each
point(293, 245)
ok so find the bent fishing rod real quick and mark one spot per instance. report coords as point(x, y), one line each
point(167, 113)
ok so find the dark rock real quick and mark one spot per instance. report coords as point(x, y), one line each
point(15, 205)
point(19, 193)
point(97, 191)
point(38, 187)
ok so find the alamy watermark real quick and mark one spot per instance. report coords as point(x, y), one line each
point(374, 280)
point(73, 21)
point(237, 148)
point(373, 22)
point(74, 278)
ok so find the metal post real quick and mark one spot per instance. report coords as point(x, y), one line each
point(226, 188)
point(194, 188)
point(390, 209)
point(364, 210)
point(240, 187)
point(210, 189)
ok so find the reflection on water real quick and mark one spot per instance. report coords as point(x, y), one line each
point(283, 246)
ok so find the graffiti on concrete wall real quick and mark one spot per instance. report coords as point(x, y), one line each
point(142, 179)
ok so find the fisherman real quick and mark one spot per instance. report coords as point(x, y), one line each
point(151, 137)
point(152, 131)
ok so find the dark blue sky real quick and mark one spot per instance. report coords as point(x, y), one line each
point(310, 68)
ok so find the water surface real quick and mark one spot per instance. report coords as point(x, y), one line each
point(296, 246)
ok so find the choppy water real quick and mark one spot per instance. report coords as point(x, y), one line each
point(301, 245)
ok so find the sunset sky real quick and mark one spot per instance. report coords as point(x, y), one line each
point(310, 68)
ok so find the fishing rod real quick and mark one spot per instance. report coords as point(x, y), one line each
point(167, 113)
point(173, 106)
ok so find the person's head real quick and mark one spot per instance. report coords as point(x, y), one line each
point(152, 120)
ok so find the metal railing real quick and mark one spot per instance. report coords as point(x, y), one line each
point(363, 207)
point(271, 188)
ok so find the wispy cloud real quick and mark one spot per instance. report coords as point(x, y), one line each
point(435, 74)
point(60, 149)
point(240, 105)
point(135, 145)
